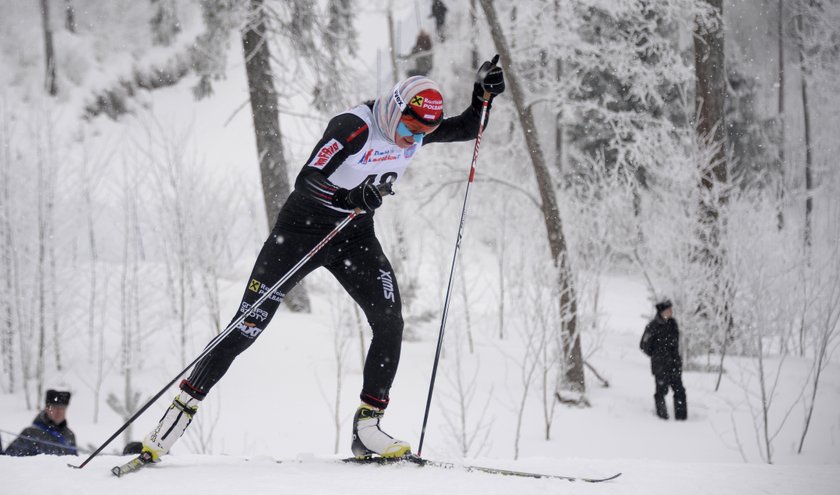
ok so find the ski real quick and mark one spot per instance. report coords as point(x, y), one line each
point(413, 459)
point(145, 459)
point(133, 465)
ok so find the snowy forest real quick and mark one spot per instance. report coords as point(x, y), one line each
point(643, 150)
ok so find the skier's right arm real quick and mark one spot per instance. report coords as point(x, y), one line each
point(345, 136)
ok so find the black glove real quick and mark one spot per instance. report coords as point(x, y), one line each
point(386, 188)
point(365, 196)
point(490, 77)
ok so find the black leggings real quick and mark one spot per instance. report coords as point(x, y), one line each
point(356, 260)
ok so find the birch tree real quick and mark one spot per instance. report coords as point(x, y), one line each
point(780, 105)
point(468, 427)
point(806, 126)
point(573, 375)
point(8, 290)
point(50, 84)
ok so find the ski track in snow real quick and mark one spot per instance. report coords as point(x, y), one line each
point(209, 475)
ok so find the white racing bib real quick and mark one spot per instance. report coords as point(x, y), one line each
point(379, 158)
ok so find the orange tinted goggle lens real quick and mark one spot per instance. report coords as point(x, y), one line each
point(414, 126)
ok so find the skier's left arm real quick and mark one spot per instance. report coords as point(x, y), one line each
point(464, 127)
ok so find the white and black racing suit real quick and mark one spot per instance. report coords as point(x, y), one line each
point(351, 150)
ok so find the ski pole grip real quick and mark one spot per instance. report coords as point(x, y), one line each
point(493, 63)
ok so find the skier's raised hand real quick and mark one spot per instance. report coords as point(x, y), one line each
point(491, 77)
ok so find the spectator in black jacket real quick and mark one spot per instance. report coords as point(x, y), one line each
point(49, 433)
point(661, 341)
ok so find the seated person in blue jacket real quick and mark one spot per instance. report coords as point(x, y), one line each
point(49, 433)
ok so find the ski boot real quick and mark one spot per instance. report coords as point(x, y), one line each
point(369, 439)
point(171, 426)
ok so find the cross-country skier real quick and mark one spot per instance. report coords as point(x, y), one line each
point(362, 151)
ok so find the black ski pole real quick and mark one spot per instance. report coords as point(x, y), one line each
point(484, 110)
point(213, 343)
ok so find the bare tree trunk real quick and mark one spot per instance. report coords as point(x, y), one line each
point(342, 341)
point(725, 347)
point(275, 180)
point(501, 246)
point(806, 113)
point(604, 382)
point(7, 252)
point(574, 370)
point(129, 301)
point(821, 351)
point(86, 195)
point(54, 307)
point(530, 361)
point(69, 16)
point(828, 316)
point(100, 372)
point(474, 26)
point(558, 122)
point(558, 142)
point(41, 271)
point(781, 115)
point(395, 74)
point(49, 51)
point(469, 435)
point(210, 283)
point(548, 402)
point(466, 299)
point(709, 64)
point(462, 399)
point(711, 93)
point(765, 405)
point(339, 377)
point(179, 258)
point(48, 190)
point(15, 303)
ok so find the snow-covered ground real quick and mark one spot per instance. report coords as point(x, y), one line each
point(273, 405)
point(210, 475)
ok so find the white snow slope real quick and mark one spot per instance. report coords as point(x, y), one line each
point(209, 475)
point(265, 418)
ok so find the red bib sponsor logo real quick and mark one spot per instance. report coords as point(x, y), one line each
point(327, 151)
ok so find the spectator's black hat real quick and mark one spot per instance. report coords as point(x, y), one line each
point(663, 305)
point(58, 398)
